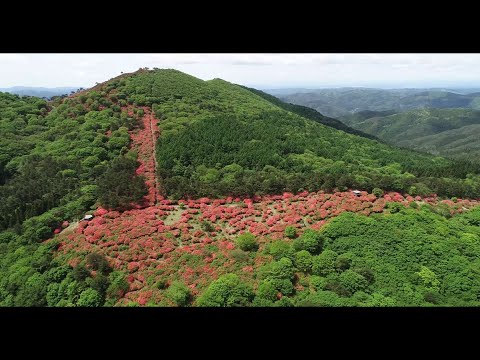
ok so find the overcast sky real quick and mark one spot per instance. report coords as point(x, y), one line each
point(256, 70)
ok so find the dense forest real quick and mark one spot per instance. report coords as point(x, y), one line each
point(52, 157)
point(279, 226)
point(447, 132)
point(311, 114)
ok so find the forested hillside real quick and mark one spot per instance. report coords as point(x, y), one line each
point(53, 156)
point(219, 139)
point(447, 132)
point(310, 113)
point(280, 226)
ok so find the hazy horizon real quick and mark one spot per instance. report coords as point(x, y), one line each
point(265, 71)
point(451, 87)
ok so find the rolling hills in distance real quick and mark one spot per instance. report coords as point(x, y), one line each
point(41, 92)
point(437, 121)
point(448, 132)
point(345, 101)
point(207, 193)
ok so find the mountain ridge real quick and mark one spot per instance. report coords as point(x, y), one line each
point(311, 114)
point(182, 101)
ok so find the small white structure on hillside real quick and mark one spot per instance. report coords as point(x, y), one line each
point(88, 217)
point(357, 192)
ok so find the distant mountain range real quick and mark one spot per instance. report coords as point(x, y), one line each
point(289, 91)
point(343, 101)
point(38, 91)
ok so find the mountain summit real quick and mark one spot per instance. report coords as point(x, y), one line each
point(218, 138)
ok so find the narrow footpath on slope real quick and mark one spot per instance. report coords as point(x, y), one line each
point(143, 141)
point(153, 126)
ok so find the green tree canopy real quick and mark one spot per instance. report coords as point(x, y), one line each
point(228, 290)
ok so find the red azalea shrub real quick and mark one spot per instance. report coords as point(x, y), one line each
point(100, 212)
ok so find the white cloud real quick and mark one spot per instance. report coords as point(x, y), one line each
point(261, 70)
